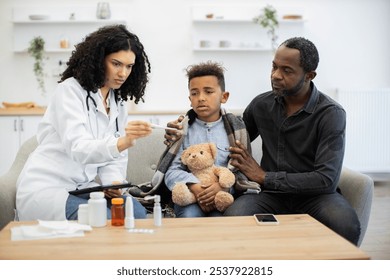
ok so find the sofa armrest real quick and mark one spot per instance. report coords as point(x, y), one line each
point(8, 182)
point(358, 189)
point(7, 197)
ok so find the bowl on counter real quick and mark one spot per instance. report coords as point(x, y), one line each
point(38, 17)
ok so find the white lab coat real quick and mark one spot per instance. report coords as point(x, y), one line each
point(75, 146)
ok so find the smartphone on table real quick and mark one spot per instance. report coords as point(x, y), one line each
point(266, 219)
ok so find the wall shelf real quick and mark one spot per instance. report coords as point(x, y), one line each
point(100, 21)
point(233, 26)
point(216, 21)
point(198, 49)
point(57, 26)
point(50, 50)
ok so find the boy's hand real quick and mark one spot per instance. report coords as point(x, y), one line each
point(207, 195)
point(197, 189)
point(207, 208)
point(172, 136)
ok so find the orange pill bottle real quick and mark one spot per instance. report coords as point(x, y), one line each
point(117, 212)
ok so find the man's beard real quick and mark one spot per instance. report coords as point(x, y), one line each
point(292, 91)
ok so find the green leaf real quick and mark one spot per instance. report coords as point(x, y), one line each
point(36, 50)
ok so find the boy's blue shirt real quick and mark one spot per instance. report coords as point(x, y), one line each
point(199, 132)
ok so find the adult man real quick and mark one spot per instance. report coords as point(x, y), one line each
point(302, 132)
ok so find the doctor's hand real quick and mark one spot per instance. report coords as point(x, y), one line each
point(133, 130)
point(172, 136)
point(242, 160)
point(112, 193)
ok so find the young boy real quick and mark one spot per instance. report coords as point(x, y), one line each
point(205, 122)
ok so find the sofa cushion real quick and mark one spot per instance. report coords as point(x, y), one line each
point(144, 156)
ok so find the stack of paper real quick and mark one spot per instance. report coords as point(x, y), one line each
point(49, 229)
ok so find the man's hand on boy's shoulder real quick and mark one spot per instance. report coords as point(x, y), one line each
point(172, 136)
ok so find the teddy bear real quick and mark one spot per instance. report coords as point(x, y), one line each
point(200, 159)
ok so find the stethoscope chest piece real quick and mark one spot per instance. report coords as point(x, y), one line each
point(89, 97)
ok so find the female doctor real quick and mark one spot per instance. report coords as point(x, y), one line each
point(84, 135)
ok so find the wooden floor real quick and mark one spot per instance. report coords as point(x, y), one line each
point(376, 242)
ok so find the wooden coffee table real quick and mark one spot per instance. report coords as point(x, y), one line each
point(296, 237)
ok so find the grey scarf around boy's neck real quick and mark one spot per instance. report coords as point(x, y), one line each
point(235, 129)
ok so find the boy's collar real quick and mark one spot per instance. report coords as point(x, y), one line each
point(192, 116)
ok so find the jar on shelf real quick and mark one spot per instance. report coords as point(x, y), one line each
point(103, 10)
point(64, 43)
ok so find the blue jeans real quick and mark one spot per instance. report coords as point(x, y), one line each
point(73, 202)
point(193, 211)
point(332, 210)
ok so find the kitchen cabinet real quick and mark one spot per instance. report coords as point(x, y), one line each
point(15, 131)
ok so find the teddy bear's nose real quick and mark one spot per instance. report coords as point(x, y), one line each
point(193, 156)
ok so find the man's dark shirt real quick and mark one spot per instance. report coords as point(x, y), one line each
point(302, 153)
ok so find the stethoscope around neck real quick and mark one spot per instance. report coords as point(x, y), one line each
point(90, 98)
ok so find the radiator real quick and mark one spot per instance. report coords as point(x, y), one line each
point(368, 129)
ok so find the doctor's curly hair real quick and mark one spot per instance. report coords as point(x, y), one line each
point(86, 63)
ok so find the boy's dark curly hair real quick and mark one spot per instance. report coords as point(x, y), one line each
point(86, 63)
point(208, 68)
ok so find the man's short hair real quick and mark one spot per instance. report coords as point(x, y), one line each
point(309, 56)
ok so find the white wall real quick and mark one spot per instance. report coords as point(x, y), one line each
point(352, 36)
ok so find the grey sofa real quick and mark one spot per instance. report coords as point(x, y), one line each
point(143, 158)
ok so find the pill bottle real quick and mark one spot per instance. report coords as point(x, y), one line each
point(117, 212)
point(97, 209)
point(82, 214)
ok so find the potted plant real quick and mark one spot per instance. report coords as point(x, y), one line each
point(37, 51)
point(268, 19)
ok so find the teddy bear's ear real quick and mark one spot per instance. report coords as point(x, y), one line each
point(213, 150)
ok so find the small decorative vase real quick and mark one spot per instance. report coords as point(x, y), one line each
point(103, 10)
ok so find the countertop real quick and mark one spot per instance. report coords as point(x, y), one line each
point(37, 111)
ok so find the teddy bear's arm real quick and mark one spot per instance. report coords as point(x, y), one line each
point(226, 178)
